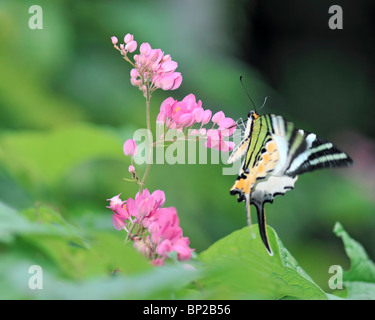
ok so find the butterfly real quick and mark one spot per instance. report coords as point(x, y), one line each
point(276, 152)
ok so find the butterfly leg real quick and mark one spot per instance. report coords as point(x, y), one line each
point(248, 215)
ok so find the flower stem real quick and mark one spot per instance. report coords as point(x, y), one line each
point(150, 142)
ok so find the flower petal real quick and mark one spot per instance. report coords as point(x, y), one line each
point(118, 223)
point(218, 116)
point(130, 147)
point(128, 38)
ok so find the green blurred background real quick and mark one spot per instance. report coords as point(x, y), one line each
point(67, 106)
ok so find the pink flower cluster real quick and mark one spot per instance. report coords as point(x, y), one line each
point(179, 114)
point(184, 114)
point(146, 211)
point(129, 46)
point(152, 68)
point(215, 137)
point(152, 65)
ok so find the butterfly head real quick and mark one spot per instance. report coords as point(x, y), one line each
point(252, 115)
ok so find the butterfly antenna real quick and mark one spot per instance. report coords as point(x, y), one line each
point(264, 103)
point(247, 93)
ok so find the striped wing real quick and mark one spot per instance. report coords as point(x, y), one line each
point(305, 151)
point(276, 153)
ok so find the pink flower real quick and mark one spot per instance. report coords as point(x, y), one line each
point(164, 248)
point(118, 223)
point(170, 81)
point(130, 148)
point(144, 206)
point(159, 215)
point(181, 246)
point(153, 68)
point(114, 202)
point(194, 132)
point(198, 113)
point(206, 116)
point(159, 197)
point(203, 131)
point(226, 123)
point(215, 140)
point(157, 262)
point(131, 46)
point(147, 211)
point(218, 116)
point(227, 126)
point(128, 38)
point(184, 114)
point(114, 40)
point(180, 114)
point(156, 69)
point(120, 214)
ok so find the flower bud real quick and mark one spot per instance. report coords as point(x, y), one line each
point(114, 40)
point(130, 148)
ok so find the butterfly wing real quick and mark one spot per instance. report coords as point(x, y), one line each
point(262, 157)
point(276, 153)
point(239, 151)
point(304, 150)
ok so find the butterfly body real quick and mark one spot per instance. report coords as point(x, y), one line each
point(276, 152)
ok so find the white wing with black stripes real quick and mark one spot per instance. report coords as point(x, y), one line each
point(275, 154)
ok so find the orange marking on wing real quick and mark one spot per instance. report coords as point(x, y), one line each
point(260, 168)
point(243, 185)
point(266, 163)
point(266, 157)
point(271, 146)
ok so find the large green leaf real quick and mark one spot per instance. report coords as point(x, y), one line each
point(242, 268)
point(360, 279)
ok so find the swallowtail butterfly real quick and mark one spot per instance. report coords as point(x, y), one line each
point(276, 152)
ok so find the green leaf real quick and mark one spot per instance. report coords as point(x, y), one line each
point(154, 283)
point(242, 269)
point(75, 255)
point(42, 158)
point(12, 223)
point(102, 254)
point(360, 279)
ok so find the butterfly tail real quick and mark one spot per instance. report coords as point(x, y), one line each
point(263, 226)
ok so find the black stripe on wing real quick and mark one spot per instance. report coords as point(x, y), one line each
point(321, 154)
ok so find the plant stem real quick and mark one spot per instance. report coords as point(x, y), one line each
point(150, 142)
